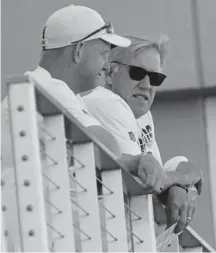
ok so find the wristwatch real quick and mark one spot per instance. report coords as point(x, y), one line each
point(181, 186)
point(191, 190)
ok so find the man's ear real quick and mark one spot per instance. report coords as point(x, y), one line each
point(110, 73)
point(113, 68)
point(78, 52)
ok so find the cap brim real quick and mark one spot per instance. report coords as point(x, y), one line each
point(116, 40)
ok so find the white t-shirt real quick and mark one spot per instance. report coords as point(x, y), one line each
point(133, 136)
point(147, 136)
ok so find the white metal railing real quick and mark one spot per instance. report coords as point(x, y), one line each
point(58, 210)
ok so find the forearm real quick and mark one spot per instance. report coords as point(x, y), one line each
point(184, 174)
point(176, 177)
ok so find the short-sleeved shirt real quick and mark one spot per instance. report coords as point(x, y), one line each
point(134, 136)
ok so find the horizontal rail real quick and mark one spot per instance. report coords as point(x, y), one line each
point(200, 240)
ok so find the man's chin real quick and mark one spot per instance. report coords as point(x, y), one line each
point(140, 113)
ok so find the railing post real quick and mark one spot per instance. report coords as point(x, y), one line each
point(3, 237)
point(61, 227)
point(9, 211)
point(144, 227)
point(114, 201)
point(87, 197)
point(28, 172)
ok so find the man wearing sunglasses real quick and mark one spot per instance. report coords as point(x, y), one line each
point(134, 75)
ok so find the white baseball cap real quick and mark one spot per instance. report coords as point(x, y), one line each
point(73, 24)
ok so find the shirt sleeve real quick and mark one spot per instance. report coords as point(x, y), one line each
point(59, 90)
point(116, 118)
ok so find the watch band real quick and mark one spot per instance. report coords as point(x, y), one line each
point(181, 186)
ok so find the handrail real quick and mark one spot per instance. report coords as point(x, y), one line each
point(200, 240)
point(135, 188)
point(134, 185)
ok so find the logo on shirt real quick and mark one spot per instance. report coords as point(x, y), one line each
point(146, 139)
point(132, 136)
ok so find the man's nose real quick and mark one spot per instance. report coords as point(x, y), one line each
point(106, 66)
point(145, 83)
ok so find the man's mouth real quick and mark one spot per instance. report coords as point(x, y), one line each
point(141, 97)
point(101, 74)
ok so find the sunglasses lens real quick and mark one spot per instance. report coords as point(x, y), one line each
point(156, 79)
point(137, 73)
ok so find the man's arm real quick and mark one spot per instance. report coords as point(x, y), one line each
point(179, 201)
point(186, 174)
point(147, 168)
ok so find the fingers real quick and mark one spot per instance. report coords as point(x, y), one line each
point(199, 186)
point(149, 179)
point(150, 172)
point(186, 214)
point(172, 211)
point(190, 213)
point(159, 185)
point(182, 219)
point(154, 183)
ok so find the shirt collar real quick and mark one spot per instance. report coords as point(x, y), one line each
point(43, 72)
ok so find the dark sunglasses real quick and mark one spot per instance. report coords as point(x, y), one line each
point(137, 74)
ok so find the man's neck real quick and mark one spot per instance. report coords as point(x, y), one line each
point(56, 73)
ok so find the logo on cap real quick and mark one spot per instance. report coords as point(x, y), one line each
point(132, 136)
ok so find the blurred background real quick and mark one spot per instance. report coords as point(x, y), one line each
point(184, 110)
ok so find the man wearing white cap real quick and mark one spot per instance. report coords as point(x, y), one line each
point(75, 47)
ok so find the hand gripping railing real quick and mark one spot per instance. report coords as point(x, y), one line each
point(59, 208)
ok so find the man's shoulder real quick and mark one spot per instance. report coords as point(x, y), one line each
point(61, 91)
point(101, 94)
point(102, 97)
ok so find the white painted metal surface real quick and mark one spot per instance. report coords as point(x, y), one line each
point(114, 202)
point(90, 227)
point(201, 241)
point(193, 249)
point(3, 237)
point(28, 172)
point(210, 112)
point(59, 191)
point(9, 210)
point(143, 228)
